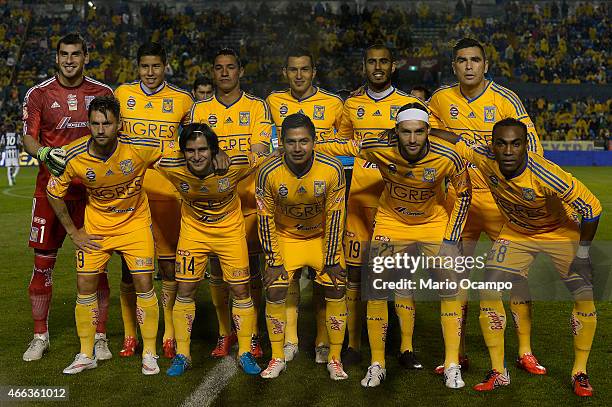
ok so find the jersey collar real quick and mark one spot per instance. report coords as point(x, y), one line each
point(378, 96)
point(101, 158)
point(147, 92)
point(316, 90)
point(307, 171)
point(521, 170)
point(231, 104)
point(481, 93)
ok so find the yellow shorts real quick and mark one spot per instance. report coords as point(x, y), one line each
point(166, 218)
point(192, 259)
point(483, 215)
point(252, 238)
point(136, 247)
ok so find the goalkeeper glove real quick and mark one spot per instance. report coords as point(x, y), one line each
point(54, 158)
point(582, 267)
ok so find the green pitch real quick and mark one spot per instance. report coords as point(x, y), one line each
point(120, 382)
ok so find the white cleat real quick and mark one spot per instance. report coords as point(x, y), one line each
point(275, 367)
point(149, 364)
point(81, 362)
point(37, 348)
point(336, 371)
point(374, 376)
point(452, 377)
point(101, 349)
point(290, 350)
point(321, 353)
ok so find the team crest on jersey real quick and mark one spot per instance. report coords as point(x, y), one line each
point(127, 166)
point(34, 234)
point(223, 184)
point(184, 186)
point(528, 194)
point(90, 174)
point(131, 103)
point(319, 188)
point(360, 112)
point(149, 105)
point(489, 114)
point(168, 105)
point(283, 191)
point(212, 120)
point(318, 113)
point(494, 180)
point(245, 118)
point(453, 111)
point(393, 112)
point(301, 190)
point(429, 175)
point(392, 168)
point(73, 104)
point(283, 110)
point(88, 100)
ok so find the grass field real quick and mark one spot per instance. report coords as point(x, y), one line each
point(119, 381)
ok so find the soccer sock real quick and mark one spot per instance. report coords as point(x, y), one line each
point(318, 300)
point(377, 320)
point(353, 303)
point(127, 297)
point(103, 294)
point(462, 297)
point(256, 293)
point(86, 316)
point(40, 290)
point(493, 323)
point(168, 298)
point(276, 319)
point(404, 308)
point(521, 314)
point(148, 319)
point(335, 317)
point(450, 318)
point(183, 315)
point(584, 322)
point(291, 308)
point(219, 292)
point(243, 315)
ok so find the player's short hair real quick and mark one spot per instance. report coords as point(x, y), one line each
point(468, 43)
point(422, 89)
point(378, 45)
point(105, 104)
point(195, 130)
point(152, 49)
point(299, 52)
point(230, 52)
point(296, 121)
point(413, 105)
point(510, 122)
point(73, 38)
point(201, 81)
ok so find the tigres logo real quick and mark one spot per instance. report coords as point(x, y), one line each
point(335, 324)
point(237, 321)
point(189, 322)
point(277, 326)
point(140, 314)
point(576, 324)
point(385, 326)
point(496, 321)
point(515, 319)
point(96, 316)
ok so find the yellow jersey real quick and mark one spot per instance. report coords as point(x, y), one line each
point(306, 207)
point(116, 202)
point(154, 115)
point(473, 119)
point(541, 198)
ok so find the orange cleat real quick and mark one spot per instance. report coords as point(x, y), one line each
point(129, 347)
point(169, 347)
point(224, 344)
point(493, 380)
point(464, 362)
point(581, 385)
point(529, 363)
point(256, 347)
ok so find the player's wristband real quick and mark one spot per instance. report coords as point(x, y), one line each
point(583, 252)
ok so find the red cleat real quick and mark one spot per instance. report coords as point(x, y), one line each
point(224, 344)
point(581, 385)
point(256, 347)
point(529, 363)
point(129, 347)
point(169, 347)
point(493, 380)
point(464, 362)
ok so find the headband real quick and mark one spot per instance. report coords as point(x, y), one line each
point(412, 114)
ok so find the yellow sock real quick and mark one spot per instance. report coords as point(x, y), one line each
point(355, 315)
point(148, 319)
point(335, 317)
point(584, 322)
point(404, 308)
point(256, 293)
point(243, 314)
point(291, 308)
point(450, 318)
point(276, 321)
point(183, 315)
point(318, 300)
point(168, 298)
point(127, 297)
point(219, 291)
point(86, 316)
point(521, 315)
point(462, 297)
point(377, 319)
point(493, 323)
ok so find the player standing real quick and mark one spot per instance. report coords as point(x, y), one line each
point(11, 144)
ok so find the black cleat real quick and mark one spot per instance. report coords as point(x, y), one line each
point(409, 361)
point(350, 356)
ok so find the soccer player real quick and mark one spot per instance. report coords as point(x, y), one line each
point(11, 145)
point(211, 223)
point(117, 218)
point(420, 92)
point(241, 122)
point(541, 205)
point(300, 206)
point(202, 88)
point(153, 108)
point(325, 111)
point(55, 114)
point(368, 113)
point(415, 170)
point(470, 108)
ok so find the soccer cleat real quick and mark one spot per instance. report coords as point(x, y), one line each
point(374, 376)
point(581, 385)
point(180, 363)
point(149, 364)
point(249, 364)
point(290, 350)
point(169, 347)
point(81, 362)
point(256, 347)
point(351, 356)
point(493, 380)
point(129, 347)
point(464, 362)
point(321, 353)
point(452, 377)
point(409, 361)
point(224, 344)
point(275, 367)
point(101, 349)
point(37, 348)
point(529, 363)
point(336, 371)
